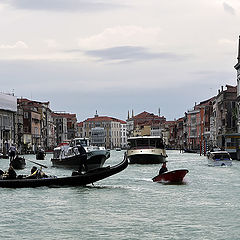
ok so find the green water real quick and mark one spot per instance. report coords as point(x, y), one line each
point(128, 205)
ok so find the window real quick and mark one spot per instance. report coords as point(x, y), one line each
point(25, 115)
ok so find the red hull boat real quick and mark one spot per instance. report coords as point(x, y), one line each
point(175, 176)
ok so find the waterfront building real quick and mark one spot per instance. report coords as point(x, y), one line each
point(66, 126)
point(8, 109)
point(170, 134)
point(237, 67)
point(193, 121)
point(19, 129)
point(111, 126)
point(198, 126)
point(225, 110)
point(123, 133)
point(80, 129)
point(206, 112)
point(31, 125)
point(38, 126)
point(60, 122)
point(180, 133)
point(144, 124)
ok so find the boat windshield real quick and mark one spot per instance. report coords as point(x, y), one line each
point(221, 156)
point(146, 143)
point(83, 142)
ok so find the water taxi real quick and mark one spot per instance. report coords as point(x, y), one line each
point(146, 150)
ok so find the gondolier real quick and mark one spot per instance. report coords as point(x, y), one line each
point(12, 152)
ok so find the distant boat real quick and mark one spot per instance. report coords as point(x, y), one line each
point(40, 155)
point(190, 151)
point(2, 156)
point(218, 157)
point(146, 150)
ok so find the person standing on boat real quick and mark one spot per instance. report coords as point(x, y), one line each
point(12, 152)
point(163, 169)
point(83, 155)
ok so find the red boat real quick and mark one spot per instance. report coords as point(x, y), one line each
point(175, 176)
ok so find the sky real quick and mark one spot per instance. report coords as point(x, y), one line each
point(115, 56)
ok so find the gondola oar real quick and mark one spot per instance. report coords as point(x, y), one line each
point(37, 163)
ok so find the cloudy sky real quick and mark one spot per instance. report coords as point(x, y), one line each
point(117, 55)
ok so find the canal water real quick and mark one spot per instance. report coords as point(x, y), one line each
point(128, 205)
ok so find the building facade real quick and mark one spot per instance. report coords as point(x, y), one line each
point(8, 110)
point(103, 126)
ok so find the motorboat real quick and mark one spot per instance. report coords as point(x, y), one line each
point(218, 157)
point(146, 150)
point(77, 179)
point(69, 155)
point(175, 176)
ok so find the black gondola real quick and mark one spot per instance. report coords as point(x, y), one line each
point(75, 180)
point(40, 155)
point(2, 156)
point(18, 163)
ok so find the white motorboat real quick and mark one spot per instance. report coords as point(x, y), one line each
point(219, 157)
point(70, 155)
point(146, 150)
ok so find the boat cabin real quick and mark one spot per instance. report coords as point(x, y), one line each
point(145, 142)
point(85, 142)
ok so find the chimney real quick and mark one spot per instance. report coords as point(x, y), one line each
point(128, 115)
point(222, 88)
point(218, 91)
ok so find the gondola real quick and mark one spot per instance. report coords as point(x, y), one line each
point(2, 156)
point(74, 180)
point(18, 163)
point(40, 155)
point(175, 176)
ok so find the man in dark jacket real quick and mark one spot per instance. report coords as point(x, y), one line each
point(83, 156)
point(163, 168)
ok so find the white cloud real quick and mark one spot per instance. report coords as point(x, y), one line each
point(228, 8)
point(227, 42)
point(52, 43)
point(121, 36)
point(17, 45)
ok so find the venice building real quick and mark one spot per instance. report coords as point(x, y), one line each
point(8, 110)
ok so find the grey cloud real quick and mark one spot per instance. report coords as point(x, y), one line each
point(228, 8)
point(131, 53)
point(62, 5)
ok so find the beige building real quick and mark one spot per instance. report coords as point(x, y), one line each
point(110, 130)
